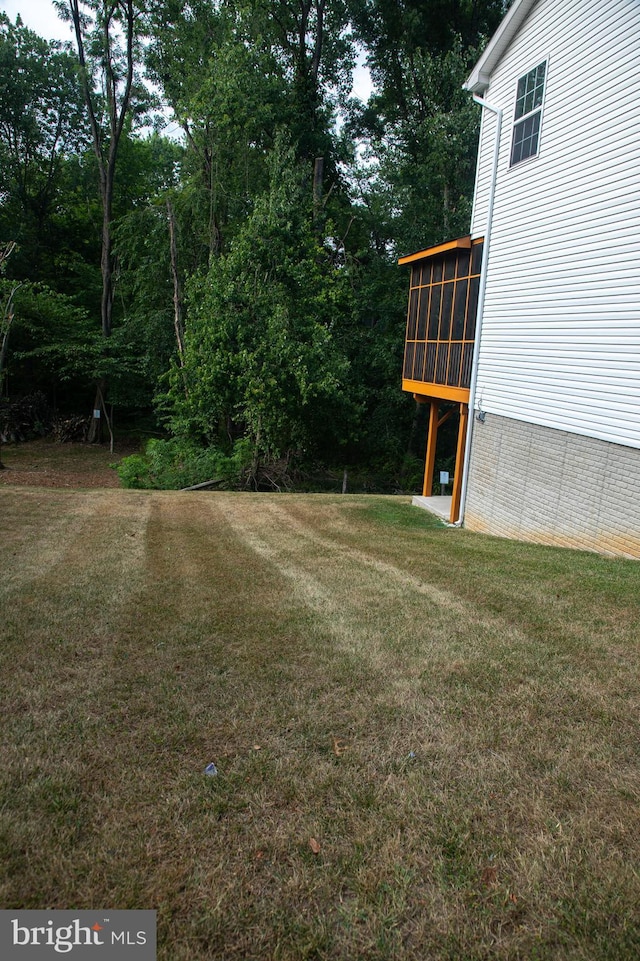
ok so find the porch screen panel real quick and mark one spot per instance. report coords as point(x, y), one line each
point(441, 319)
point(418, 364)
point(413, 313)
point(423, 311)
point(409, 354)
point(442, 363)
point(430, 364)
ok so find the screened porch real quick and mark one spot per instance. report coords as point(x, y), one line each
point(439, 343)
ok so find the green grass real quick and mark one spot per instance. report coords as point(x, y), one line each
point(452, 718)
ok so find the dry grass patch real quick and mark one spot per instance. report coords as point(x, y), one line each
point(426, 739)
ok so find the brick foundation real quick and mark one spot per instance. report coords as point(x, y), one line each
point(553, 487)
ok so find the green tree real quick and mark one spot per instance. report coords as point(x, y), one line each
point(149, 183)
point(419, 186)
point(418, 135)
point(314, 45)
point(235, 72)
point(108, 35)
point(53, 341)
point(6, 311)
point(41, 125)
point(261, 357)
point(227, 91)
point(421, 128)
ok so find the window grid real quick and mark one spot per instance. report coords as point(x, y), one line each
point(530, 91)
point(441, 318)
point(528, 114)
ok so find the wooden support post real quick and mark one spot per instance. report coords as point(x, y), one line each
point(445, 417)
point(431, 449)
point(457, 477)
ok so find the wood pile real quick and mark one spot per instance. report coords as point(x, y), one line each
point(72, 428)
point(24, 418)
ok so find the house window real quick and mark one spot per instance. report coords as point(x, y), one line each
point(526, 127)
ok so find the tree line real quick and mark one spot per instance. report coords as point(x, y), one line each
point(229, 280)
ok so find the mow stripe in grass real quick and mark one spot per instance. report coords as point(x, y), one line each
point(458, 737)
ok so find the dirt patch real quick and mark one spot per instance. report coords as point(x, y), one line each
point(47, 463)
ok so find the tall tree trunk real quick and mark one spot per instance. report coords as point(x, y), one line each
point(117, 81)
point(5, 322)
point(177, 292)
point(99, 412)
point(106, 260)
point(94, 435)
point(4, 343)
point(255, 460)
point(318, 176)
point(5, 328)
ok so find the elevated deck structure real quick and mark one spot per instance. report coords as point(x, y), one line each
point(440, 337)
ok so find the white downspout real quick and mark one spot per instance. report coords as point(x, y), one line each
point(480, 308)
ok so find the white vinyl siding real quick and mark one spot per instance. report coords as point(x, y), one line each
point(560, 340)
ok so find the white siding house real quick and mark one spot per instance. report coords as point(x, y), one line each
point(553, 449)
point(556, 454)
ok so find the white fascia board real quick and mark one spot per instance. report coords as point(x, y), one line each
point(478, 80)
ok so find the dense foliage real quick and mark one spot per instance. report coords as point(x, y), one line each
point(223, 269)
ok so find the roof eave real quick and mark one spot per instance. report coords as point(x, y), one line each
point(477, 83)
point(479, 78)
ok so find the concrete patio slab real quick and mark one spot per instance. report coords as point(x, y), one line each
point(441, 506)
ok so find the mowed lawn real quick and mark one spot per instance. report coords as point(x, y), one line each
point(426, 740)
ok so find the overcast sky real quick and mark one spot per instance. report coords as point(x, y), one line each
point(41, 16)
point(38, 15)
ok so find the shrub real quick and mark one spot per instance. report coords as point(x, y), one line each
point(133, 472)
point(174, 464)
